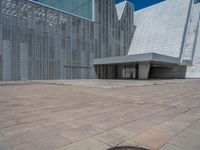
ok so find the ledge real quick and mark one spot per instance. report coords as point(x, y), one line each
point(146, 57)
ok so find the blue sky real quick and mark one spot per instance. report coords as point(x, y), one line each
point(139, 4)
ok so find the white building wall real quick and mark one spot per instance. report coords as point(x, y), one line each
point(191, 33)
point(160, 28)
point(194, 71)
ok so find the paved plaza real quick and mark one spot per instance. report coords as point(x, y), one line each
point(99, 114)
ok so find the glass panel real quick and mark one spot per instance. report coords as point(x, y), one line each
point(78, 7)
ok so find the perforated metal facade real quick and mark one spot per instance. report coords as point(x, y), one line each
point(112, 35)
point(41, 43)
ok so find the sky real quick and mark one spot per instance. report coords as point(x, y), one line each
point(139, 4)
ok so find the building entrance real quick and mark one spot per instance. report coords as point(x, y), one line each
point(122, 71)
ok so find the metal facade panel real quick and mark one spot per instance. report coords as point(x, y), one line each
point(15, 49)
point(1, 44)
point(42, 43)
point(23, 61)
point(7, 63)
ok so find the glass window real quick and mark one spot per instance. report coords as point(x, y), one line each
point(81, 8)
point(196, 1)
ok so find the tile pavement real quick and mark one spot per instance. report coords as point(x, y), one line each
point(99, 114)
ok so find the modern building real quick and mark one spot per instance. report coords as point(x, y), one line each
point(90, 39)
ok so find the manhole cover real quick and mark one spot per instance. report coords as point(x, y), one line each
point(127, 148)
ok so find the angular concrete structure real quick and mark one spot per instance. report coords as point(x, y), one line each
point(46, 41)
point(143, 71)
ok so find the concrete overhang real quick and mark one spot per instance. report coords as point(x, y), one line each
point(153, 58)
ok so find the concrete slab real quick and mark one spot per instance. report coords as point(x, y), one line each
point(98, 114)
point(88, 144)
point(152, 139)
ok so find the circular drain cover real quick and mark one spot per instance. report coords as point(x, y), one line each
point(127, 148)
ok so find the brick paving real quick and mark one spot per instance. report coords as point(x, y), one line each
point(99, 114)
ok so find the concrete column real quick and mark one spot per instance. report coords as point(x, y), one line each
point(143, 71)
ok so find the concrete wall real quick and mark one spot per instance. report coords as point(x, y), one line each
point(189, 46)
point(194, 70)
point(143, 71)
point(160, 28)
